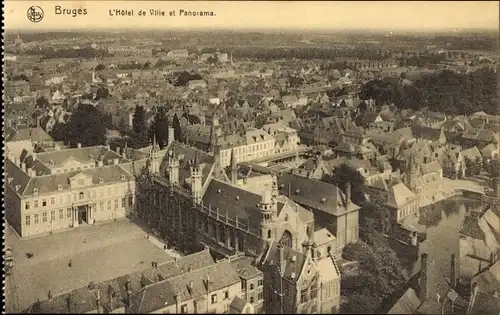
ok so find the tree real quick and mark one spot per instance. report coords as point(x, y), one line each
point(102, 92)
point(345, 174)
point(373, 217)
point(177, 128)
point(86, 126)
point(100, 67)
point(139, 120)
point(160, 126)
point(380, 275)
point(494, 168)
point(42, 102)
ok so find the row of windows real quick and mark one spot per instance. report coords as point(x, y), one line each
point(75, 168)
point(100, 207)
point(308, 294)
point(74, 197)
point(52, 216)
point(260, 283)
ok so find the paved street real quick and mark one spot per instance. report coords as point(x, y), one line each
point(97, 253)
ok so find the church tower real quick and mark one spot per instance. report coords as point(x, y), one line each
point(154, 157)
point(268, 216)
point(412, 174)
point(196, 180)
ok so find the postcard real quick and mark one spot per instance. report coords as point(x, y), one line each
point(251, 157)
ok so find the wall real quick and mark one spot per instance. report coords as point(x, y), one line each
point(330, 297)
point(12, 209)
point(58, 209)
point(219, 307)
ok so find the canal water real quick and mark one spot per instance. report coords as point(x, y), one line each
point(443, 221)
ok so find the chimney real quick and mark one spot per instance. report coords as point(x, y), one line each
point(79, 145)
point(453, 271)
point(34, 156)
point(129, 292)
point(281, 258)
point(23, 167)
point(70, 301)
point(116, 161)
point(423, 278)
point(191, 286)
point(49, 295)
point(118, 150)
point(98, 301)
point(348, 193)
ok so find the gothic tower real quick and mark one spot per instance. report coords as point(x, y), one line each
point(173, 168)
point(268, 216)
point(412, 174)
point(196, 180)
point(154, 157)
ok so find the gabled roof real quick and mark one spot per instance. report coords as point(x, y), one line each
point(293, 266)
point(235, 202)
point(400, 195)
point(315, 194)
point(191, 285)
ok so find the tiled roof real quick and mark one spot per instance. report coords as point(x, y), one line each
point(313, 193)
point(400, 195)
point(246, 269)
point(292, 266)
point(84, 155)
point(234, 201)
point(50, 183)
point(407, 304)
point(187, 286)
point(486, 304)
point(34, 134)
point(84, 299)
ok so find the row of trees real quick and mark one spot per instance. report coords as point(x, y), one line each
point(446, 91)
point(265, 53)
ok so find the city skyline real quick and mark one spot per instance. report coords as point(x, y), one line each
point(245, 15)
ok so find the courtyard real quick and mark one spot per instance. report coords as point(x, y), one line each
point(97, 253)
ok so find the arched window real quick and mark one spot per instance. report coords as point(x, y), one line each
point(81, 195)
point(286, 239)
point(269, 234)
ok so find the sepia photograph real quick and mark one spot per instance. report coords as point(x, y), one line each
point(251, 157)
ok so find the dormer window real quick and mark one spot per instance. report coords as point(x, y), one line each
point(18, 187)
point(101, 181)
point(122, 177)
point(51, 162)
point(10, 179)
point(59, 187)
point(35, 192)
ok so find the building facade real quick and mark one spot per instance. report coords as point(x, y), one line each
point(56, 190)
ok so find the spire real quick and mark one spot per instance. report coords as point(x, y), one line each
point(196, 159)
point(234, 164)
point(155, 144)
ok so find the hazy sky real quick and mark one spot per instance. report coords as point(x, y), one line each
point(400, 15)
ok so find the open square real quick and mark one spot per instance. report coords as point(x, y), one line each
point(97, 253)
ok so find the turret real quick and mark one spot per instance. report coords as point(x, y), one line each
point(267, 215)
point(173, 168)
point(196, 180)
point(154, 157)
